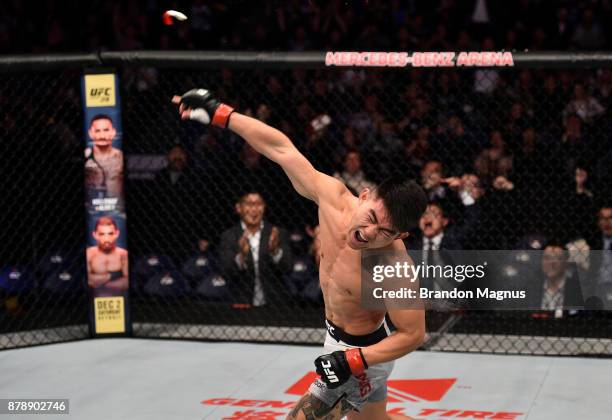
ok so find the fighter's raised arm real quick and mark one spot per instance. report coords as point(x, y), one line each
point(200, 105)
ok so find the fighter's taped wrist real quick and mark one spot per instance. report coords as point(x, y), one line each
point(222, 115)
point(114, 275)
point(356, 361)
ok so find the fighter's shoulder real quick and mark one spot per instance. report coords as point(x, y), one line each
point(332, 191)
point(116, 152)
point(91, 251)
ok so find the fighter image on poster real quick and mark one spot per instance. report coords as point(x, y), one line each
point(107, 263)
point(104, 163)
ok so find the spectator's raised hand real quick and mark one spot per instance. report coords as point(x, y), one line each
point(453, 182)
point(502, 183)
point(471, 185)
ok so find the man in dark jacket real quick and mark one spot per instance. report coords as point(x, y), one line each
point(434, 243)
point(559, 287)
point(181, 215)
point(600, 256)
point(254, 255)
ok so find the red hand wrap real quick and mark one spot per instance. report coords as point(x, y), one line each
point(222, 114)
point(356, 362)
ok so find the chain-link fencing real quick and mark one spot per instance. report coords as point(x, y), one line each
point(43, 290)
point(514, 158)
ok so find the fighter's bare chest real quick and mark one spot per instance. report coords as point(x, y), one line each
point(112, 162)
point(108, 261)
point(102, 259)
point(339, 265)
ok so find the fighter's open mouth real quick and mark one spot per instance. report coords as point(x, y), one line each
point(359, 238)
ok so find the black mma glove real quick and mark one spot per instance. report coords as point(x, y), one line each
point(205, 108)
point(336, 368)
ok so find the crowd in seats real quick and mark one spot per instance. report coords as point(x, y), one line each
point(255, 263)
point(497, 175)
point(301, 25)
point(502, 155)
point(521, 159)
point(59, 274)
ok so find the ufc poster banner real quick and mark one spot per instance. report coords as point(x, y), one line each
point(106, 251)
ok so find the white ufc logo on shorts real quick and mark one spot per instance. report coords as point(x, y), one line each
point(330, 374)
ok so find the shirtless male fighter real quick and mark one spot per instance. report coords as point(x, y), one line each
point(359, 348)
point(104, 165)
point(107, 264)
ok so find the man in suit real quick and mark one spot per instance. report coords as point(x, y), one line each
point(254, 255)
point(600, 272)
point(182, 215)
point(558, 287)
point(434, 233)
point(603, 238)
point(434, 241)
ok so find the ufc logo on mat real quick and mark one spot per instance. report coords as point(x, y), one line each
point(331, 375)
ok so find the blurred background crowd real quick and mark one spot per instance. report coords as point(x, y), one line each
point(299, 25)
point(510, 159)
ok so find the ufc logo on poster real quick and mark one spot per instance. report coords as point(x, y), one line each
point(331, 375)
point(100, 90)
point(103, 93)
